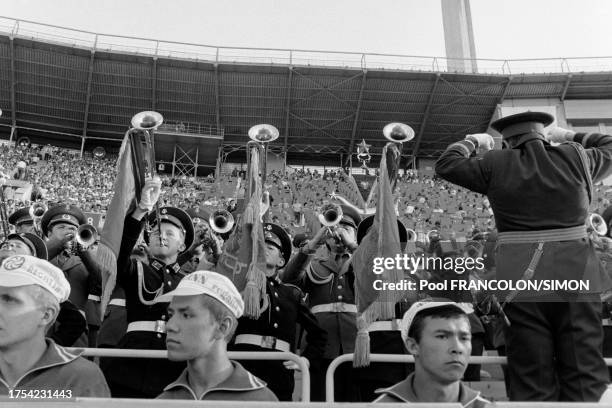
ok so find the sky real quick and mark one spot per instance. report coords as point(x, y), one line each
point(504, 29)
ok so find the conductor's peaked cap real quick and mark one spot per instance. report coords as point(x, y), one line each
point(522, 123)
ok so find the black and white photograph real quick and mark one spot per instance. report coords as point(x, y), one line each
point(277, 203)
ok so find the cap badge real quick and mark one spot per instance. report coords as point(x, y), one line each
point(14, 262)
point(269, 227)
point(65, 216)
point(164, 211)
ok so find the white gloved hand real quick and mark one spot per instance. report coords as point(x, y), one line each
point(150, 193)
point(485, 141)
point(559, 135)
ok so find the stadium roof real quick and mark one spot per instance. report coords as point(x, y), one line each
point(55, 87)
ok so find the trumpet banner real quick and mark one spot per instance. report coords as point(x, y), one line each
point(244, 254)
point(381, 241)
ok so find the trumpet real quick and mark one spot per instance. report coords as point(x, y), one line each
point(86, 236)
point(331, 214)
point(597, 224)
point(37, 210)
point(260, 136)
point(221, 221)
point(398, 132)
point(148, 122)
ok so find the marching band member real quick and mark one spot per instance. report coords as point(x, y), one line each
point(328, 280)
point(276, 328)
point(540, 195)
point(143, 283)
point(22, 221)
point(59, 224)
point(207, 246)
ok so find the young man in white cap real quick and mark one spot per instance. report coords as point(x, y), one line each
point(437, 334)
point(31, 366)
point(204, 312)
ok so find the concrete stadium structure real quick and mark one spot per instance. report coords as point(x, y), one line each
point(80, 89)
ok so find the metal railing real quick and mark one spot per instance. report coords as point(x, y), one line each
point(400, 358)
point(302, 362)
point(191, 128)
point(16, 28)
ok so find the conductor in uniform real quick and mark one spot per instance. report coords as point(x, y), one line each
point(540, 196)
point(276, 328)
point(59, 225)
point(143, 283)
point(328, 280)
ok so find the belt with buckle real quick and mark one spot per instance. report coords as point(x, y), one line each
point(338, 307)
point(117, 302)
point(385, 325)
point(268, 342)
point(157, 326)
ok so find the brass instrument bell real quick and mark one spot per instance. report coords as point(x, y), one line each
point(263, 133)
point(398, 132)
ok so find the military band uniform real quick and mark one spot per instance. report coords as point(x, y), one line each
point(329, 283)
point(82, 271)
point(275, 330)
point(114, 324)
point(144, 378)
point(540, 195)
point(276, 327)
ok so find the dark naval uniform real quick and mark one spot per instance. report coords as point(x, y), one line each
point(540, 195)
point(82, 271)
point(329, 283)
point(276, 328)
point(142, 283)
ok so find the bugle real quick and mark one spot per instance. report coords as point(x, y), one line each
point(398, 132)
point(221, 221)
point(148, 122)
point(260, 136)
point(330, 215)
point(86, 235)
point(37, 210)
